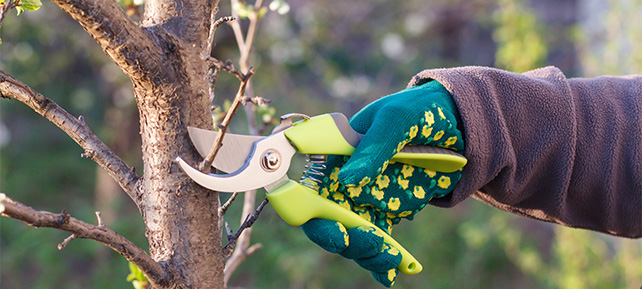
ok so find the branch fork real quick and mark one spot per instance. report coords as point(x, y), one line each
point(101, 226)
point(249, 221)
point(80, 229)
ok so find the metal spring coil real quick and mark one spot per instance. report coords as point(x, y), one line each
point(313, 174)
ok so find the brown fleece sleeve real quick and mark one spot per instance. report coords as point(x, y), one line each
point(540, 145)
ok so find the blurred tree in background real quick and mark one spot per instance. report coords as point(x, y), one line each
point(319, 57)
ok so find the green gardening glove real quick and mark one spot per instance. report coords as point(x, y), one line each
point(379, 190)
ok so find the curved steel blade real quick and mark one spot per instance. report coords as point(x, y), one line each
point(252, 174)
point(232, 154)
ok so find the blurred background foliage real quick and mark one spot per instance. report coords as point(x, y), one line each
point(319, 56)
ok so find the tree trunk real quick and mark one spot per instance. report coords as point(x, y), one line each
point(181, 217)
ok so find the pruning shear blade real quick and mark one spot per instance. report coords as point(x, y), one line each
point(267, 163)
point(233, 153)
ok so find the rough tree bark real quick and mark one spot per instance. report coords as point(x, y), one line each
point(165, 58)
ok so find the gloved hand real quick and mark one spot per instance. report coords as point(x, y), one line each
point(382, 191)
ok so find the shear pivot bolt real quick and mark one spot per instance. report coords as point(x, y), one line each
point(270, 161)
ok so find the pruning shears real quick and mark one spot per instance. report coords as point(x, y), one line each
point(252, 162)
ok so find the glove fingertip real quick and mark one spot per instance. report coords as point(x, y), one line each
point(388, 258)
point(330, 235)
point(386, 278)
point(365, 243)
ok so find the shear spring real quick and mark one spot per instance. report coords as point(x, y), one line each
point(313, 174)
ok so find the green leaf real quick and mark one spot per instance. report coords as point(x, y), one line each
point(132, 268)
point(135, 273)
point(140, 276)
point(31, 5)
point(19, 10)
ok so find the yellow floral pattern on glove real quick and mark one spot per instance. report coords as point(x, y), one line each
point(342, 228)
point(426, 131)
point(438, 135)
point(354, 192)
point(413, 132)
point(430, 118)
point(444, 182)
point(393, 204)
point(383, 181)
point(407, 170)
point(419, 192)
point(450, 141)
point(377, 194)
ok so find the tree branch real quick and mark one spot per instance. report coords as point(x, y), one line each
point(80, 229)
point(240, 255)
point(223, 209)
point(76, 128)
point(251, 32)
point(243, 249)
point(238, 100)
point(5, 8)
point(214, 24)
point(249, 221)
point(222, 20)
point(236, 27)
point(227, 66)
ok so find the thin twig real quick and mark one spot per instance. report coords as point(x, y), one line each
point(207, 162)
point(5, 8)
point(227, 66)
point(210, 35)
point(249, 221)
point(223, 209)
point(66, 241)
point(76, 128)
point(253, 249)
point(80, 229)
point(257, 100)
point(101, 224)
point(212, 73)
point(251, 32)
point(212, 76)
point(228, 231)
point(240, 256)
point(236, 27)
point(243, 249)
point(222, 20)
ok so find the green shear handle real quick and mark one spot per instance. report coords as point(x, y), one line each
point(331, 134)
point(297, 204)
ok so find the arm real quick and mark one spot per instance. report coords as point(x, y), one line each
point(567, 151)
